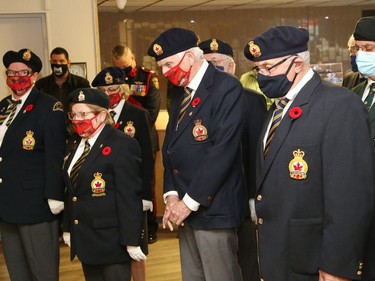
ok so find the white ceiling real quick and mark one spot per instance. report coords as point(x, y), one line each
point(199, 5)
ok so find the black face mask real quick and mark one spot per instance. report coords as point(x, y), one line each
point(276, 86)
point(127, 69)
point(59, 69)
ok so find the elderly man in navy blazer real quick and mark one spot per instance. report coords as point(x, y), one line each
point(32, 145)
point(204, 184)
point(315, 167)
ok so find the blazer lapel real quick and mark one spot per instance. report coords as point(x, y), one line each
point(301, 100)
point(95, 150)
point(197, 102)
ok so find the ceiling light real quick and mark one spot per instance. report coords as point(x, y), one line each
point(121, 4)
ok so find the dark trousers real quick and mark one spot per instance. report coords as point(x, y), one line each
point(247, 251)
point(107, 272)
point(31, 252)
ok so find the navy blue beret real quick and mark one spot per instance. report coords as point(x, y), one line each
point(171, 42)
point(24, 56)
point(277, 42)
point(109, 76)
point(215, 45)
point(365, 29)
point(89, 96)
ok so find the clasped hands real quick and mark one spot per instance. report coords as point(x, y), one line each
point(175, 213)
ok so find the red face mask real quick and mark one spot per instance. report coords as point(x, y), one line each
point(178, 76)
point(114, 99)
point(85, 128)
point(20, 85)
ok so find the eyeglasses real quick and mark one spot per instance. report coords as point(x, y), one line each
point(78, 115)
point(109, 90)
point(21, 73)
point(267, 70)
point(366, 48)
point(217, 62)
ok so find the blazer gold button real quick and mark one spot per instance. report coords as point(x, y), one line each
point(1, 159)
point(259, 198)
point(260, 221)
point(1, 180)
point(175, 172)
point(209, 198)
point(360, 266)
point(75, 221)
point(359, 272)
point(74, 199)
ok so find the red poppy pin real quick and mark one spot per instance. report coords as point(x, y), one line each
point(295, 112)
point(116, 125)
point(196, 101)
point(28, 108)
point(106, 150)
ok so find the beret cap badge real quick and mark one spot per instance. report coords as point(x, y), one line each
point(26, 55)
point(108, 78)
point(81, 96)
point(157, 49)
point(254, 49)
point(214, 45)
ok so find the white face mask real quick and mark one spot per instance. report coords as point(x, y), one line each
point(366, 63)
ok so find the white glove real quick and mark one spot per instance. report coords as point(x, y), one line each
point(136, 253)
point(55, 206)
point(147, 205)
point(66, 238)
point(253, 214)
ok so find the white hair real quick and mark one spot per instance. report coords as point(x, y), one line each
point(305, 56)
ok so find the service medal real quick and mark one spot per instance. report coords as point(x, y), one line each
point(138, 89)
point(297, 166)
point(199, 131)
point(98, 185)
point(129, 129)
point(28, 142)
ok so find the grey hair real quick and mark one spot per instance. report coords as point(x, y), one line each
point(305, 56)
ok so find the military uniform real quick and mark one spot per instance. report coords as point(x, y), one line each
point(144, 88)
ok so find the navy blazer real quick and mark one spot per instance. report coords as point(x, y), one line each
point(104, 217)
point(322, 221)
point(32, 174)
point(256, 112)
point(141, 124)
point(208, 168)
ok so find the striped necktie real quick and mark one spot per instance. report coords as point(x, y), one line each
point(370, 97)
point(277, 116)
point(11, 111)
point(185, 103)
point(77, 165)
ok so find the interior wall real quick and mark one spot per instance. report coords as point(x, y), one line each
point(70, 24)
point(330, 29)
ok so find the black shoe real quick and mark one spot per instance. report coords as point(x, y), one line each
point(152, 238)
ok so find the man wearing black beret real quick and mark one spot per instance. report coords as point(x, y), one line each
point(32, 145)
point(204, 184)
point(364, 36)
point(220, 54)
point(313, 201)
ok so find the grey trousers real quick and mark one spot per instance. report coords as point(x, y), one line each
point(209, 255)
point(31, 252)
